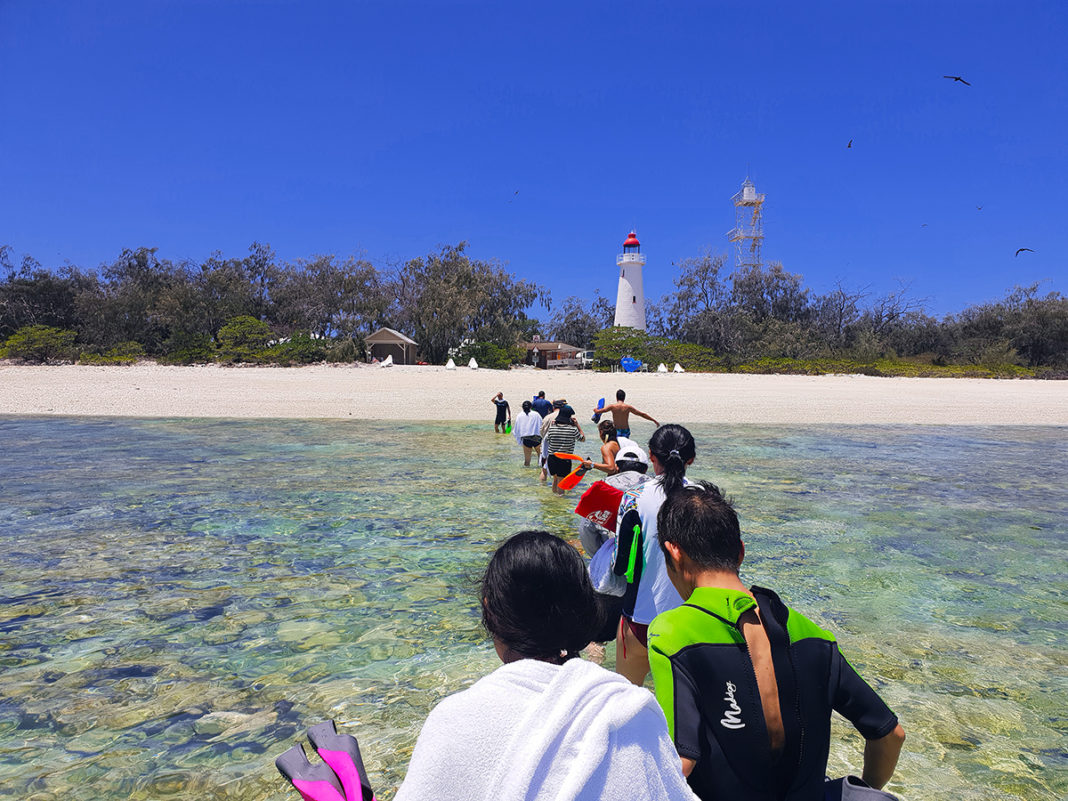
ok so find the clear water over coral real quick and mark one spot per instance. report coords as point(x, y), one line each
point(179, 599)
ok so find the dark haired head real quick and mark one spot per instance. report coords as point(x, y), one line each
point(537, 598)
point(673, 447)
point(703, 524)
point(541, 394)
point(526, 406)
point(620, 395)
point(607, 430)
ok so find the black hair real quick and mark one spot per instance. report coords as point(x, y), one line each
point(537, 598)
point(703, 524)
point(605, 427)
point(526, 406)
point(631, 465)
point(541, 394)
point(673, 447)
point(620, 395)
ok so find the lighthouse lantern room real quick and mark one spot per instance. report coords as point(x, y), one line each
point(630, 299)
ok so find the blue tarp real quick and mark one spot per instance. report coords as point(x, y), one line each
point(629, 365)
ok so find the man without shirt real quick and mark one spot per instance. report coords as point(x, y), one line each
point(746, 683)
point(621, 413)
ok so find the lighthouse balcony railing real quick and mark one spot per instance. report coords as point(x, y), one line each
point(750, 198)
point(630, 258)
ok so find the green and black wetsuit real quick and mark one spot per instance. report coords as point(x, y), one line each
point(707, 688)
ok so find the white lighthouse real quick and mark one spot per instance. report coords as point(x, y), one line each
point(630, 299)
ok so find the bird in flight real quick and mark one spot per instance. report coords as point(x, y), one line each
point(957, 78)
point(1021, 250)
point(979, 207)
point(850, 143)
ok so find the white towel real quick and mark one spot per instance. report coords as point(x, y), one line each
point(531, 731)
point(527, 424)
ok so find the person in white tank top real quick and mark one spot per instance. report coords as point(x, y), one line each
point(638, 555)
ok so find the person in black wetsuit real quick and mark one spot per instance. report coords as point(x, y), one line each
point(504, 412)
point(748, 684)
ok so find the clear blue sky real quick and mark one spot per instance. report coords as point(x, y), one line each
point(387, 129)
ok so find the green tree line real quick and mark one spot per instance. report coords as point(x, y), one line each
point(258, 308)
point(762, 314)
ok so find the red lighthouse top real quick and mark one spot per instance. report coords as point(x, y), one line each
point(632, 240)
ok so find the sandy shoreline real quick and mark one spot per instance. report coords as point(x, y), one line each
point(433, 393)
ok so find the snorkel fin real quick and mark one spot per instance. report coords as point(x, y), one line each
point(313, 782)
point(342, 753)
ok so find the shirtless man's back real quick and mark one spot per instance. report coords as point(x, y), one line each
point(621, 412)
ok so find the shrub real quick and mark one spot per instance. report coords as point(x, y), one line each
point(123, 353)
point(490, 355)
point(614, 343)
point(184, 347)
point(298, 349)
point(40, 344)
point(243, 339)
point(343, 350)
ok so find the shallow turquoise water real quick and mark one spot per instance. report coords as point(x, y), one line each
point(178, 599)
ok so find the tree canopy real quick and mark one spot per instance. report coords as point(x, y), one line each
point(324, 306)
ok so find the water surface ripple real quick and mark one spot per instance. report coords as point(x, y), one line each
point(179, 599)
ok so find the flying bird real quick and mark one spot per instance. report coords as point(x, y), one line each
point(979, 207)
point(1021, 250)
point(957, 78)
point(850, 143)
point(923, 225)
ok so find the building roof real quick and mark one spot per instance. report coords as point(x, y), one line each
point(543, 347)
point(389, 335)
point(632, 239)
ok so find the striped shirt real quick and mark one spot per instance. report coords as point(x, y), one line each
point(561, 437)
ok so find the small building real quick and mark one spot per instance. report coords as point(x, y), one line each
point(387, 342)
point(552, 354)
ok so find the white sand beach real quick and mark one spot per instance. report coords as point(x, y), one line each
point(434, 393)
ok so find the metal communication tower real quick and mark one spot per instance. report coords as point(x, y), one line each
point(748, 232)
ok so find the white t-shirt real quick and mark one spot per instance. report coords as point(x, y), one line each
point(532, 731)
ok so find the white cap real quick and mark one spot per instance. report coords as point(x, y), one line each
point(632, 453)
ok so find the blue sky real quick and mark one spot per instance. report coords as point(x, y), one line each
point(388, 129)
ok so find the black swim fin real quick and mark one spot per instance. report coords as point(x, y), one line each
point(313, 782)
point(342, 753)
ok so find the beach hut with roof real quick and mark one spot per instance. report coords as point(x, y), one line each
point(387, 342)
point(552, 354)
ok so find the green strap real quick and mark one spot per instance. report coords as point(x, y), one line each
point(635, 551)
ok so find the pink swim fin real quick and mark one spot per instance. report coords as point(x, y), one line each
point(313, 782)
point(342, 753)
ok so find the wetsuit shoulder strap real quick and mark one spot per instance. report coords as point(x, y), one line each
point(773, 614)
